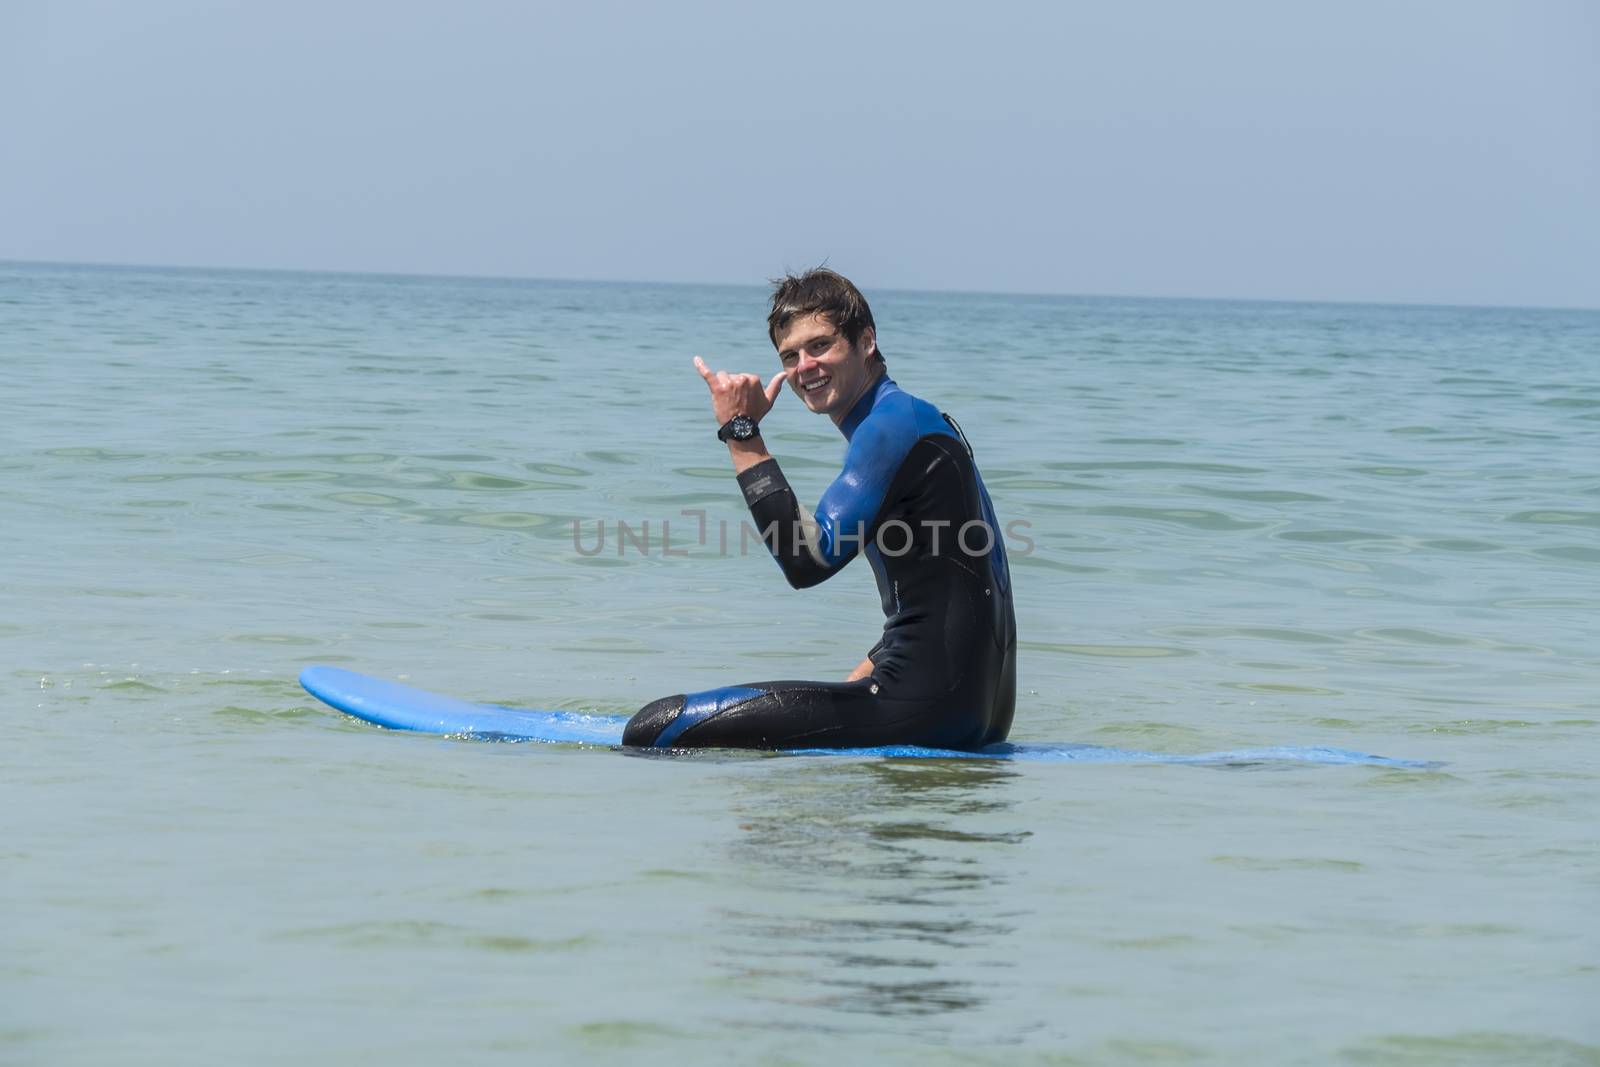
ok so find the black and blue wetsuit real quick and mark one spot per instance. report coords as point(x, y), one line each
point(944, 674)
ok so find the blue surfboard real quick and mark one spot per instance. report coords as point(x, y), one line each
point(402, 707)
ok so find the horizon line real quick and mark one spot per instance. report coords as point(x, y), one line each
point(449, 276)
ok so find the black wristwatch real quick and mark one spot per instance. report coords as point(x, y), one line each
point(738, 428)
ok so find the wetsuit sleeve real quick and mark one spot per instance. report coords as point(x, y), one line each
point(790, 532)
point(811, 548)
point(875, 651)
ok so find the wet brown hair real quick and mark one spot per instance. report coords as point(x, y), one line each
point(821, 292)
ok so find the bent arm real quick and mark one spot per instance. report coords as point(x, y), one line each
point(811, 548)
point(784, 525)
point(791, 533)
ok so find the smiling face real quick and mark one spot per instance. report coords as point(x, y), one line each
point(827, 372)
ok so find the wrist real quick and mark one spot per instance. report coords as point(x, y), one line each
point(740, 427)
point(747, 454)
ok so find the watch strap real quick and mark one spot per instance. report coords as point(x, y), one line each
point(725, 433)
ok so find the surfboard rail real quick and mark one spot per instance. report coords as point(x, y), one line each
point(396, 706)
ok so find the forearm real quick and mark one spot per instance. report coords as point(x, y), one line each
point(790, 532)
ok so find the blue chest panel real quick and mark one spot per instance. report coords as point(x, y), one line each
point(881, 430)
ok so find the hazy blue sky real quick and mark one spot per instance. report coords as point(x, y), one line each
point(1389, 151)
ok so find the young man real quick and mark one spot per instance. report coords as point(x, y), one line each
point(909, 496)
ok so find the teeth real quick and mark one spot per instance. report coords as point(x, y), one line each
point(812, 387)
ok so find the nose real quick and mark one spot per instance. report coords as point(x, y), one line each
point(804, 363)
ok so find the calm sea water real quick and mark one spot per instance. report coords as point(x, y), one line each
point(1253, 524)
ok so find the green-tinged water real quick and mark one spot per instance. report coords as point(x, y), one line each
point(1251, 524)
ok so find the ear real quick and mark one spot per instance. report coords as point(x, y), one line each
point(869, 340)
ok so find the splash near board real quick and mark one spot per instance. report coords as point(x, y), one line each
point(402, 707)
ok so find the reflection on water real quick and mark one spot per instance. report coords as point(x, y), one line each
point(877, 888)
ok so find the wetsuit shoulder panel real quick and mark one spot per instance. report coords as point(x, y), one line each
point(878, 447)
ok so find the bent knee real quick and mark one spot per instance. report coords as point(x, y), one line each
point(643, 729)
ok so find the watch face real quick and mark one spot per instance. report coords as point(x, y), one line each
point(743, 428)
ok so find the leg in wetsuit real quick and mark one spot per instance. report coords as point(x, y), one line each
point(944, 674)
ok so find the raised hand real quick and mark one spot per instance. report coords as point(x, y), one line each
point(739, 394)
